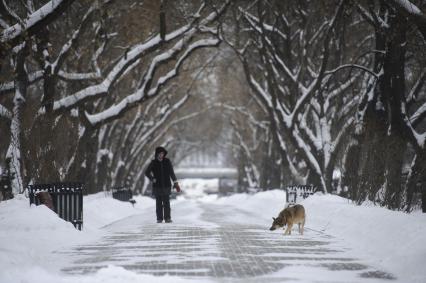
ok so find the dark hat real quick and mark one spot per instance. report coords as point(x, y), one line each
point(160, 149)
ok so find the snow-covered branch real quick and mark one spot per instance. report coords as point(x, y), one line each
point(415, 90)
point(79, 76)
point(66, 48)
point(5, 113)
point(9, 87)
point(243, 110)
point(351, 66)
point(13, 35)
point(419, 115)
point(143, 93)
point(131, 56)
point(134, 54)
point(408, 7)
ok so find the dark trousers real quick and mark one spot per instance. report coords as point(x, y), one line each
point(163, 207)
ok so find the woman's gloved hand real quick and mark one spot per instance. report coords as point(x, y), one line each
point(177, 187)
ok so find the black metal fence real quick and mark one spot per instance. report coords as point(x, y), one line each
point(5, 186)
point(123, 194)
point(67, 200)
point(297, 192)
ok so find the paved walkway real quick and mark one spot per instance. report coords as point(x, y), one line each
point(219, 249)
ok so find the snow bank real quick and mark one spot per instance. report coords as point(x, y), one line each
point(101, 210)
point(110, 274)
point(393, 239)
point(30, 236)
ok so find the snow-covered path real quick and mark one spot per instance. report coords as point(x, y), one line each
point(213, 241)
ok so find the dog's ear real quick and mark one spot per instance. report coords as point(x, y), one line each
point(273, 218)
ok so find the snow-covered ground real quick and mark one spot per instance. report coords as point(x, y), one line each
point(389, 239)
point(32, 237)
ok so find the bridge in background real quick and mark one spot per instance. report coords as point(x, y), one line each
point(227, 177)
point(207, 173)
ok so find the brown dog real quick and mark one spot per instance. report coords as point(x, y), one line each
point(289, 216)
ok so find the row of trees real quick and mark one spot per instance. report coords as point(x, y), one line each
point(81, 83)
point(301, 90)
point(341, 84)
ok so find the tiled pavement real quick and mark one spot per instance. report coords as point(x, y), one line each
point(223, 252)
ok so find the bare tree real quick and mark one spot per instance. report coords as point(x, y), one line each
point(91, 98)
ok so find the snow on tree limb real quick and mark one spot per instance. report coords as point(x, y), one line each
point(79, 76)
point(306, 92)
point(409, 7)
point(419, 140)
point(66, 48)
point(144, 138)
point(415, 90)
point(405, 7)
point(419, 115)
point(143, 93)
point(9, 87)
point(288, 84)
point(247, 151)
point(174, 72)
point(3, 24)
point(5, 113)
point(13, 35)
point(306, 150)
point(267, 27)
point(310, 90)
point(135, 53)
point(352, 66)
point(243, 110)
point(131, 56)
point(95, 91)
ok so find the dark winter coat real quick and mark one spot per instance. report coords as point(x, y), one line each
point(160, 173)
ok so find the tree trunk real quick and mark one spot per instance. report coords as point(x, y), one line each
point(83, 166)
point(393, 91)
point(103, 170)
point(416, 177)
point(372, 137)
point(13, 156)
point(351, 171)
point(372, 156)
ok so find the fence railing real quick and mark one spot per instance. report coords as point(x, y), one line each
point(298, 192)
point(67, 200)
point(5, 188)
point(123, 194)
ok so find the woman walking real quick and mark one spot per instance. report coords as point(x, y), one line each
point(160, 172)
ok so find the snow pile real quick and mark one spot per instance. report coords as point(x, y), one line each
point(28, 234)
point(110, 274)
point(261, 207)
point(33, 236)
point(101, 210)
point(393, 239)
